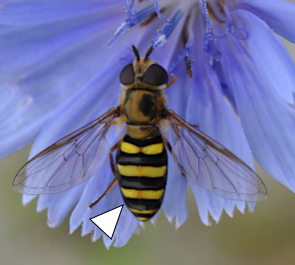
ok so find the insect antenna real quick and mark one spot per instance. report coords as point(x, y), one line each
point(136, 52)
point(148, 53)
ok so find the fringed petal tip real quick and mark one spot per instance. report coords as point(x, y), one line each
point(26, 199)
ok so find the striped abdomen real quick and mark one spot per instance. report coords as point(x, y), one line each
point(142, 174)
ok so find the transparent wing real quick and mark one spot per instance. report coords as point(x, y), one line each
point(211, 165)
point(68, 162)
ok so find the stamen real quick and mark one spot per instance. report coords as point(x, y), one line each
point(186, 55)
point(229, 30)
point(188, 46)
point(158, 11)
point(150, 18)
point(206, 15)
point(208, 37)
point(160, 37)
point(130, 13)
point(134, 19)
point(188, 37)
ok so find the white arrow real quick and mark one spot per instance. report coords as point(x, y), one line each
point(107, 221)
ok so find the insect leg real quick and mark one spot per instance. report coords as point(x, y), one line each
point(105, 193)
point(169, 147)
point(114, 172)
point(175, 78)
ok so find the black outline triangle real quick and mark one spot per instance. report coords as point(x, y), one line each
point(107, 212)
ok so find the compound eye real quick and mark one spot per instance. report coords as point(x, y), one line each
point(155, 75)
point(127, 75)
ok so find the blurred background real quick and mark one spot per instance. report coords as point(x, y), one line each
point(266, 236)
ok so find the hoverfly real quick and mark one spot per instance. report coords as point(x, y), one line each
point(140, 166)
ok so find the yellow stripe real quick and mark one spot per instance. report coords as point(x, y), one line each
point(142, 194)
point(140, 171)
point(143, 211)
point(129, 148)
point(140, 218)
point(153, 149)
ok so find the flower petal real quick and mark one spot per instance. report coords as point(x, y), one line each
point(127, 226)
point(266, 48)
point(58, 211)
point(207, 108)
point(279, 15)
point(268, 121)
point(31, 81)
point(30, 12)
point(89, 103)
point(94, 188)
point(174, 203)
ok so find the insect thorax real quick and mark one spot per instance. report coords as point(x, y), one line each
point(141, 108)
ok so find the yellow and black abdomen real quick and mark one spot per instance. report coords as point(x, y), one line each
point(142, 174)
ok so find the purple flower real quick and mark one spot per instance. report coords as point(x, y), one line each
point(60, 63)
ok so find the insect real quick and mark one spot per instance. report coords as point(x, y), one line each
point(140, 166)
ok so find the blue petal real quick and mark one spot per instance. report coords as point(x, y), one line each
point(164, 54)
point(268, 121)
point(207, 108)
point(64, 204)
point(59, 48)
point(94, 188)
point(279, 15)
point(31, 82)
point(251, 206)
point(30, 13)
point(266, 48)
point(174, 203)
point(208, 202)
point(89, 103)
point(126, 227)
point(26, 198)
point(113, 199)
point(155, 217)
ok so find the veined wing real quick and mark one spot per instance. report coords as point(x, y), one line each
point(68, 162)
point(211, 165)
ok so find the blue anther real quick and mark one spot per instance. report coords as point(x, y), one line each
point(132, 20)
point(161, 36)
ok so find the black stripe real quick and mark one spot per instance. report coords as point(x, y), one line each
point(142, 204)
point(146, 215)
point(155, 139)
point(141, 159)
point(143, 183)
point(146, 89)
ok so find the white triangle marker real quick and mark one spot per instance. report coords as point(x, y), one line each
point(107, 221)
